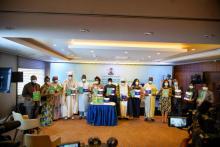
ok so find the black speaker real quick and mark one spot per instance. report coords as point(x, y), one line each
point(17, 77)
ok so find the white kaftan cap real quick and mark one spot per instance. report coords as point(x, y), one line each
point(123, 79)
point(69, 73)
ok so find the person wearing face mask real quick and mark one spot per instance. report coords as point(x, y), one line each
point(56, 92)
point(97, 91)
point(83, 97)
point(150, 91)
point(189, 98)
point(123, 94)
point(110, 91)
point(70, 102)
point(46, 116)
point(134, 103)
point(165, 100)
point(176, 101)
point(31, 94)
point(204, 95)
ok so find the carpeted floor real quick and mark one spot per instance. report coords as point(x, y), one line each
point(130, 133)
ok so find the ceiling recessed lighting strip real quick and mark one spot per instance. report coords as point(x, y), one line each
point(172, 47)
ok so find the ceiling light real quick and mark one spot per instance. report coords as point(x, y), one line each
point(125, 52)
point(84, 30)
point(209, 35)
point(193, 49)
point(148, 33)
point(54, 45)
point(121, 57)
point(93, 55)
point(151, 46)
point(91, 51)
point(149, 56)
point(157, 60)
point(158, 53)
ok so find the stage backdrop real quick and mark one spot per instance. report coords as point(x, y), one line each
point(116, 72)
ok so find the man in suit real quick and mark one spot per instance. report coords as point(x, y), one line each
point(32, 105)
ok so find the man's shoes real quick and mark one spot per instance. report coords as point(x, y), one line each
point(72, 117)
point(80, 117)
point(66, 118)
point(152, 119)
point(145, 119)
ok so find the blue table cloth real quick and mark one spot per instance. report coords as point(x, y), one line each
point(102, 115)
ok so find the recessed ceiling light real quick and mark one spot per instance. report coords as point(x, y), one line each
point(126, 52)
point(148, 33)
point(91, 51)
point(54, 45)
point(158, 53)
point(93, 55)
point(157, 60)
point(209, 35)
point(149, 56)
point(193, 49)
point(84, 30)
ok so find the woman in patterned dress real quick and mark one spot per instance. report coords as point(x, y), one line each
point(165, 100)
point(46, 116)
point(56, 91)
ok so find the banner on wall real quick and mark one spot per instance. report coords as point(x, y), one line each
point(110, 73)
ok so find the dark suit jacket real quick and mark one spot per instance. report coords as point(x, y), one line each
point(28, 90)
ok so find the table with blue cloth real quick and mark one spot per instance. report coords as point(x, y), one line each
point(102, 114)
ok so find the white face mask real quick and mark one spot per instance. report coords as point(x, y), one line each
point(150, 82)
point(175, 83)
point(166, 84)
point(84, 80)
point(96, 82)
point(191, 87)
point(136, 83)
point(34, 81)
point(122, 83)
point(205, 88)
point(55, 81)
point(70, 78)
point(109, 83)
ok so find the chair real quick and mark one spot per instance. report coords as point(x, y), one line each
point(26, 124)
point(36, 140)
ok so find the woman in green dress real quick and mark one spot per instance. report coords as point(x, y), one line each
point(46, 116)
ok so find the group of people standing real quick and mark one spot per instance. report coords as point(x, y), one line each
point(54, 101)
